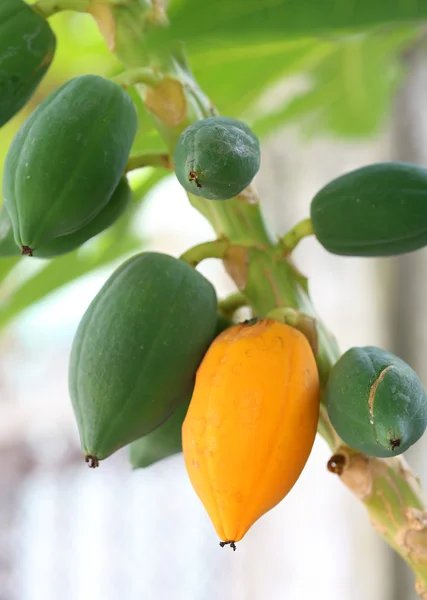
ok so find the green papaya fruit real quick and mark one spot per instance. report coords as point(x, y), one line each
point(67, 159)
point(376, 402)
point(137, 349)
point(27, 47)
point(216, 158)
point(378, 210)
point(67, 243)
point(165, 441)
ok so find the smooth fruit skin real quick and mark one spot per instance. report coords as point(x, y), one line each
point(251, 423)
point(166, 440)
point(27, 47)
point(116, 206)
point(378, 210)
point(216, 158)
point(137, 349)
point(67, 159)
point(376, 402)
point(163, 442)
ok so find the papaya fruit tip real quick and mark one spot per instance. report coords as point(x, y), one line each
point(26, 251)
point(92, 461)
point(231, 542)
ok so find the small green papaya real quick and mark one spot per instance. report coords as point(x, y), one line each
point(67, 243)
point(27, 47)
point(137, 349)
point(67, 159)
point(217, 158)
point(376, 402)
point(378, 210)
point(166, 440)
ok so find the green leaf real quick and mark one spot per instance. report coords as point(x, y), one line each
point(236, 77)
point(211, 22)
point(350, 91)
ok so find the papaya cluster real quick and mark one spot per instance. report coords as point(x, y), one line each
point(154, 366)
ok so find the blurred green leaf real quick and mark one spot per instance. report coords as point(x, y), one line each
point(350, 91)
point(235, 77)
point(207, 24)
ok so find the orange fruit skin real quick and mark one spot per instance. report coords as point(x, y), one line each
point(251, 423)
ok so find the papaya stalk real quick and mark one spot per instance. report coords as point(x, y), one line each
point(264, 274)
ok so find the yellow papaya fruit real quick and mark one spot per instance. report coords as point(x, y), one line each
point(251, 423)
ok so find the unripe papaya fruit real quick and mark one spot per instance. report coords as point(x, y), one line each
point(67, 159)
point(376, 402)
point(67, 243)
point(166, 440)
point(137, 349)
point(251, 423)
point(27, 47)
point(216, 158)
point(378, 210)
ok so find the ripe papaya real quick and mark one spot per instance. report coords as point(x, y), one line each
point(27, 47)
point(251, 423)
point(216, 158)
point(137, 349)
point(67, 243)
point(378, 210)
point(67, 159)
point(166, 440)
point(376, 402)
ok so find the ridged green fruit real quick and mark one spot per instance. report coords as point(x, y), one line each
point(27, 47)
point(166, 440)
point(217, 158)
point(67, 243)
point(376, 402)
point(137, 349)
point(378, 210)
point(67, 159)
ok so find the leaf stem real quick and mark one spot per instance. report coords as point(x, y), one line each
point(231, 303)
point(215, 249)
point(291, 239)
point(145, 75)
point(148, 160)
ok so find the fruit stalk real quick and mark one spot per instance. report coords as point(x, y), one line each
point(263, 272)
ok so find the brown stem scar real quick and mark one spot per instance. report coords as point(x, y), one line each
point(26, 251)
point(336, 464)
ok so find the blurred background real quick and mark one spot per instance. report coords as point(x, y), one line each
point(322, 106)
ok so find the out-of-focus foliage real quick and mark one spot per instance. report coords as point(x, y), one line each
point(268, 62)
point(202, 24)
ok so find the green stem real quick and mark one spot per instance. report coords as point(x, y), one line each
point(215, 249)
point(291, 239)
point(148, 160)
point(145, 75)
point(233, 302)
